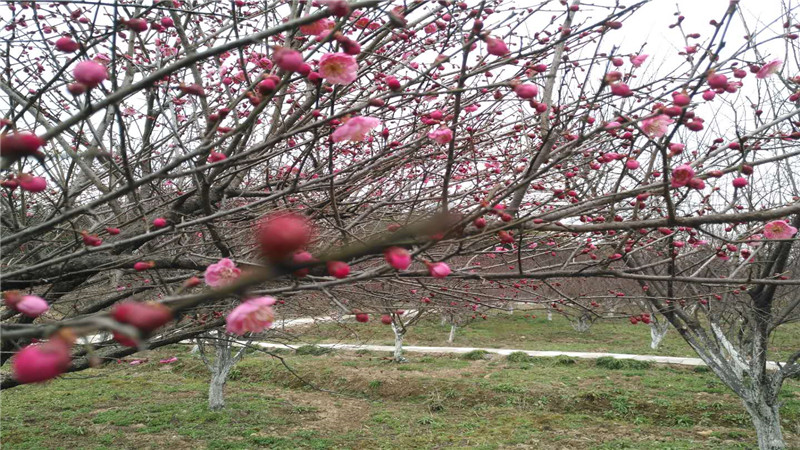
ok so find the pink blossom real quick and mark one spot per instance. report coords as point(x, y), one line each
point(254, 315)
point(526, 91)
point(338, 68)
point(41, 362)
point(496, 47)
point(770, 68)
point(438, 270)
point(317, 28)
point(338, 269)
point(32, 306)
point(779, 229)
point(355, 129)
point(638, 60)
point(739, 182)
point(288, 59)
point(656, 126)
point(398, 257)
point(632, 164)
point(31, 183)
point(221, 273)
point(168, 360)
point(90, 73)
point(681, 175)
point(621, 90)
point(441, 135)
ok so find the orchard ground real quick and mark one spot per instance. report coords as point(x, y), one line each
point(468, 401)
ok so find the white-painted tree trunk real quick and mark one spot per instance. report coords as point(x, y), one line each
point(216, 391)
point(452, 336)
point(398, 344)
point(549, 314)
point(766, 420)
point(658, 329)
point(220, 368)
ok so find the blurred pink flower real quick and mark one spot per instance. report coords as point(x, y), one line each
point(638, 60)
point(496, 47)
point(338, 68)
point(779, 229)
point(355, 129)
point(681, 175)
point(317, 28)
point(254, 315)
point(398, 257)
point(169, 360)
point(221, 273)
point(441, 135)
point(439, 269)
point(656, 126)
point(41, 362)
point(770, 68)
point(32, 306)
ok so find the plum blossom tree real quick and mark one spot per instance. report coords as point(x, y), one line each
point(144, 143)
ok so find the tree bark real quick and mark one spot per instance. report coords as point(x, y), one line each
point(767, 422)
point(398, 344)
point(658, 329)
point(216, 391)
point(220, 368)
point(452, 335)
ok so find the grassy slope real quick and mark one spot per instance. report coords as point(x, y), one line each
point(516, 331)
point(435, 401)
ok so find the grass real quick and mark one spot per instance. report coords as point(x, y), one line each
point(526, 333)
point(368, 402)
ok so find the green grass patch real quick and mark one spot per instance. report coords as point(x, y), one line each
point(607, 362)
point(475, 355)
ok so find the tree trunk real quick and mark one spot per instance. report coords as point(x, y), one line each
point(767, 422)
point(452, 335)
point(220, 368)
point(216, 391)
point(549, 314)
point(582, 325)
point(658, 329)
point(398, 344)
